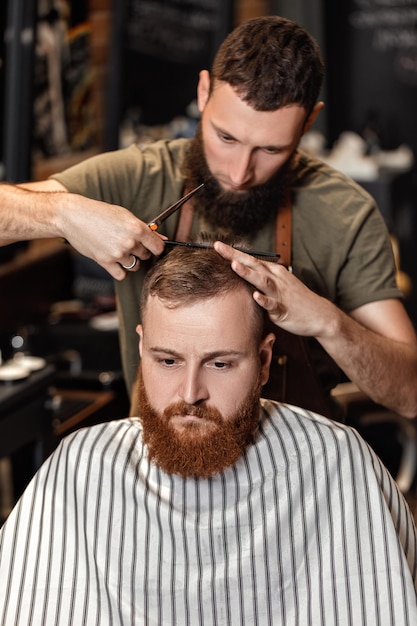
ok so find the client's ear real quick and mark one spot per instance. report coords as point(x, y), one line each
point(265, 354)
point(139, 330)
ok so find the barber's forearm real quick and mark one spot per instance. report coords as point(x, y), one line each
point(108, 234)
point(26, 215)
point(384, 369)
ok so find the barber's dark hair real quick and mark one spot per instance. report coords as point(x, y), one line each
point(271, 62)
point(185, 276)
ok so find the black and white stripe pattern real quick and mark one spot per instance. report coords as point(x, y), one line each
point(308, 528)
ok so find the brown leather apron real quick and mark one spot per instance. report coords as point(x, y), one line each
point(292, 378)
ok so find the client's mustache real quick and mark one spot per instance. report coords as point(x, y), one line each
point(183, 408)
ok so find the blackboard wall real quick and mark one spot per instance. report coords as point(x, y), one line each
point(371, 57)
point(159, 47)
point(371, 52)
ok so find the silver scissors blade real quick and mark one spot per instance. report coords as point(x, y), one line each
point(157, 221)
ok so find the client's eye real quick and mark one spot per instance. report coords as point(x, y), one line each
point(168, 361)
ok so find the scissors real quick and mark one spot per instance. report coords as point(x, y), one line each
point(157, 221)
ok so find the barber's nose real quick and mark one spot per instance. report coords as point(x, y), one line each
point(193, 389)
point(240, 168)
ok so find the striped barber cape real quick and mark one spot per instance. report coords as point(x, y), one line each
point(308, 528)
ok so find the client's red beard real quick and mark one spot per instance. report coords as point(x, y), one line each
point(197, 450)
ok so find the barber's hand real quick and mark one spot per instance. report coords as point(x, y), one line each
point(290, 304)
point(109, 234)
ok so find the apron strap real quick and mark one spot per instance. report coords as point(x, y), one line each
point(185, 221)
point(283, 231)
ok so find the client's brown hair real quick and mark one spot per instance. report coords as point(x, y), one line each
point(188, 275)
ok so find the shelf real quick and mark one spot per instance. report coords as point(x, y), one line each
point(43, 168)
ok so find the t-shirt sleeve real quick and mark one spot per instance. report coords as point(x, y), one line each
point(369, 272)
point(141, 180)
point(111, 177)
point(341, 244)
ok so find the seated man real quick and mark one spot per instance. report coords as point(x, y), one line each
point(213, 506)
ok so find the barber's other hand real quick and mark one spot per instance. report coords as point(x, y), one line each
point(290, 304)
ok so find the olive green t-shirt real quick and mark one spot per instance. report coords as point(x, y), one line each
point(340, 243)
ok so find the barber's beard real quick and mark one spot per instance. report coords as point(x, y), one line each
point(197, 449)
point(243, 213)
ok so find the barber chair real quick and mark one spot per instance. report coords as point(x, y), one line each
point(392, 436)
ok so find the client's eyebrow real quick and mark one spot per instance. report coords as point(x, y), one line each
point(208, 356)
point(266, 256)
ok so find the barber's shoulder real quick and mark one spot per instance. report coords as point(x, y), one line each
point(308, 166)
point(163, 149)
point(158, 162)
point(319, 186)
